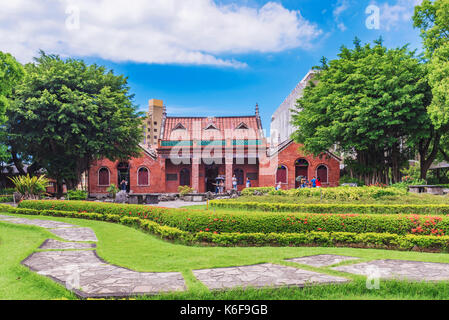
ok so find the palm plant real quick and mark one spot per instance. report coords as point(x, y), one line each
point(30, 187)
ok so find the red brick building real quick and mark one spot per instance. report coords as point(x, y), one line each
point(194, 151)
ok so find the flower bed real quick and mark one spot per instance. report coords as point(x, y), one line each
point(229, 222)
point(334, 208)
point(359, 240)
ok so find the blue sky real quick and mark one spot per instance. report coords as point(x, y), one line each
point(203, 57)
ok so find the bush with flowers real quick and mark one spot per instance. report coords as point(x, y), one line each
point(416, 241)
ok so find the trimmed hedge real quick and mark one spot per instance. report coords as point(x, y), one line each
point(4, 199)
point(258, 222)
point(363, 240)
point(337, 193)
point(334, 208)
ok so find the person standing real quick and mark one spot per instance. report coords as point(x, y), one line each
point(234, 182)
point(318, 183)
point(248, 183)
point(313, 181)
point(123, 185)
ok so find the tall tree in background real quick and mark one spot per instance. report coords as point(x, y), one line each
point(371, 102)
point(66, 114)
point(11, 73)
point(432, 17)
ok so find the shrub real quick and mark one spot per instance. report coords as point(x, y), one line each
point(4, 199)
point(30, 187)
point(112, 189)
point(333, 208)
point(314, 238)
point(7, 191)
point(191, 220)
point(183, 190)
point(257, 191)
point(77, 195)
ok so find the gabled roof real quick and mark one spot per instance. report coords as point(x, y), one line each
point(179, 126)
point(225, 127)
point(288, 142)
point(242, 125)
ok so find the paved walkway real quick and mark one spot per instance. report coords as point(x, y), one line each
point(75, 264)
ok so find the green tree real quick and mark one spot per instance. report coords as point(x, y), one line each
point(11, 73)
point(432, 17)
point(371, 102)
point(67, 114)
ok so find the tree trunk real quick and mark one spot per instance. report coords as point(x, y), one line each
point(426, 162)
point(59, 188)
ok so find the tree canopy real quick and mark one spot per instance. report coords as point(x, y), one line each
point(371, 103)
point(66, 114)
point(432, 17)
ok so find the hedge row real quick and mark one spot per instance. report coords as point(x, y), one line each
point(229, 222)
point(4, 199)
point(364, 240)
point(334, 208)
point(337, 193)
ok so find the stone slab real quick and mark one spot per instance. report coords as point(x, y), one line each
point(399, 269)
point(51, 244)
point(262, 275)
point(39, 223)
point(321, 260)
point(88, 276)
point(75, 234)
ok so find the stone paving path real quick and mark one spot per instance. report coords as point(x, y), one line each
point(88, 276)
point(262, 275)
point(322, 260)
point(399, 269)
point(83, 272)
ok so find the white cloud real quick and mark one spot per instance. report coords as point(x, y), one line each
point(392, 16)
point(340, 8)
point(156, 31)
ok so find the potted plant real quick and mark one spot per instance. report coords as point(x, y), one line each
point(112, 189)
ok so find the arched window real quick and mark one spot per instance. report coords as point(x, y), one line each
point(301, 171)
point(281, 174)
point(184, 177)
point(239, 175)
point(103, 177)
point(321, 172)
point(143, 177)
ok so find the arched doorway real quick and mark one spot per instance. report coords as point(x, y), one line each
point(301, 170)
point(184, 177)
point(281, 175)
point(210, 178)
point(239, 174)
point(123, 175)
point(321, 172)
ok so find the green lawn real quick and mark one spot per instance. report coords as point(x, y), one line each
point(139, 251)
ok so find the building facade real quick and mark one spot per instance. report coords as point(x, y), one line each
point(194, 151)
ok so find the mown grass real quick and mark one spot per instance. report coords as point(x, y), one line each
point(134, 249)
point(16, 281)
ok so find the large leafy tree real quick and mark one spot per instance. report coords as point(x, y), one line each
point(11, 73)
point(67, 113)
point(371, 102)
point(432, 17)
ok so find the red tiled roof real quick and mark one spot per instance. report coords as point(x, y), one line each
point(195, 128)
